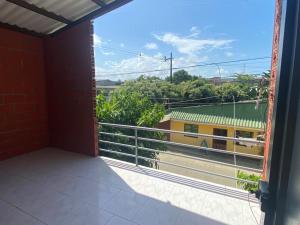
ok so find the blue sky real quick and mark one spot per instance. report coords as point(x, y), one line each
point(138, 35)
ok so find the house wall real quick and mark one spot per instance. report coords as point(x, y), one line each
point(165, 125)
point(71, 90)
point(23, 111)
point(208, 129)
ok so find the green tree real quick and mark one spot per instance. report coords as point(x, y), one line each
point(243, 87)
point(129, 108)
point(261, 90)
point(228, 90)
point(181, 76)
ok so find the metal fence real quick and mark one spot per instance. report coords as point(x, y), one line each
point(136, 149)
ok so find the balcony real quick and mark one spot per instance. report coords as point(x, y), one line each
point(56, 187)
point(132, 143)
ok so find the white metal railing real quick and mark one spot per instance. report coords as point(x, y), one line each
point(136, 149)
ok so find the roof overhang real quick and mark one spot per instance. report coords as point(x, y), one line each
point(49, 17)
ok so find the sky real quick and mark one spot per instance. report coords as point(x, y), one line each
point(137, 37)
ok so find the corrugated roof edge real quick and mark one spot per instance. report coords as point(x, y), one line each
point(94, 14)
point(97, 13)
point(216, 119)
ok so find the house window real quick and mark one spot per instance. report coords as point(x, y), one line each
point(217, 143)
point(243, 134)
point(191, 128)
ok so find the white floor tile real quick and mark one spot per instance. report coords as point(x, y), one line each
point(156, 212)
point(9, 215)
point(60, 212)
point(60, 188)
point(126, 204)
point(90, 215)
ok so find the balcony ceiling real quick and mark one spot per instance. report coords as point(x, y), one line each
point(44, 17)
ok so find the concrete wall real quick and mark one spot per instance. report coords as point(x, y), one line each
point(208, 129)
point(23, 111)
point(71, 90)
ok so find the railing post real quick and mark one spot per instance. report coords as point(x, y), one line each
point(136, 146)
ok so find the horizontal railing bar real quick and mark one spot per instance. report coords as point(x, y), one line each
point(201, 148)
point(184, 133)
point(115, 152)
point(198, 170)
point(117, 143)
point(118, 135)
point(184, 156)
point(202, 159)
point(198, 147)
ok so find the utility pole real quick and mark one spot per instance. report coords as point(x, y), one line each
point(171, 66)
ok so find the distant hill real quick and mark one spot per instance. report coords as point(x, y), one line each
point(108, 82)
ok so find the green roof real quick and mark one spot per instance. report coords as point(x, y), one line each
point(246, 114)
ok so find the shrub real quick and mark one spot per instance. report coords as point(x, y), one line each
point(251, 177)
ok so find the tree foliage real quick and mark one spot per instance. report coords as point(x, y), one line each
point(251, 187)
point(188, 87)
point(129, 108)
point(181, 76)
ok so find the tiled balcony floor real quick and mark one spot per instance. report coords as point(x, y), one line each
point(55, 187)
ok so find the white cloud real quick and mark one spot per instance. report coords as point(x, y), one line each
point(191, 50)
point(151, 46)
point(191, 45)
point(100, 44)
point(194, 31)
point(97, 41)
point(144, 63)
point(107, 52)
point(122, 45)
point(228, 54)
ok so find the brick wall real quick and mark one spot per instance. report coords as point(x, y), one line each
point(70, 90)
point(47, 92)
point(23, 113)
point(272, 85)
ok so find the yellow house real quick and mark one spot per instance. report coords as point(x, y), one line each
point(248, 122)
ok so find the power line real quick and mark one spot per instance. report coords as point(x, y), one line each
point(188, 105)
point(133, 53)
point(211, 103)
point(186, 67)
point(223, 62)
point(249, 63)
point(198, 99)
point(227, 76)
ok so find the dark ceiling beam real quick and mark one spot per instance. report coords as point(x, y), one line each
point(21, 30)
point(100, 2)
point(40, 11)
point(99, 12)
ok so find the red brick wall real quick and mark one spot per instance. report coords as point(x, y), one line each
point(23, 113)
point(70, 90)
point(272, 84)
